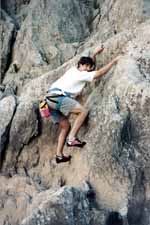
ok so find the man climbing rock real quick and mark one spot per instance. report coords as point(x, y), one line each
point(61, 98)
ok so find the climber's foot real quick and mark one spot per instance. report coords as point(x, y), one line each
point(75, 143)
point(62, 159)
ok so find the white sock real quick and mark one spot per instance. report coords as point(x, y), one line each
point(71, 138)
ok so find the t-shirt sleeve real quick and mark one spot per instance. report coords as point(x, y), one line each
point(87, 76)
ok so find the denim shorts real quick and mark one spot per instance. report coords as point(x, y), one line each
point(57, 116)
point(61, 106)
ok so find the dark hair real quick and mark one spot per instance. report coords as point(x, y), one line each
point(86, 61)
point(114, 218)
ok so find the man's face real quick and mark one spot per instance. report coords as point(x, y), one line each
point(85, 67)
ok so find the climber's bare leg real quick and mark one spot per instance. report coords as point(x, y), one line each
point(81, 113)
point(65, 127)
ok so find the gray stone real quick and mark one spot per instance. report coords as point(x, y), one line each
point(13, 7)
point(117, 16)
point(7, 109)
point(66, 207)
point(47, 37)
point(7, 36)
point(23, 202)
point(24, 126)
point(15, 194)
point(146, 9)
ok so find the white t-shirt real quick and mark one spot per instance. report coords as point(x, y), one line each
point(73, 81)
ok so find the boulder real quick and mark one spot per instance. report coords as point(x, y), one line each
point(7, 109)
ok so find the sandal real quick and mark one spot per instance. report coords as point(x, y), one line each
point(75, 143)
point(61, 159)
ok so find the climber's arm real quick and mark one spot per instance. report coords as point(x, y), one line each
point(105, 69)
point(97, 51)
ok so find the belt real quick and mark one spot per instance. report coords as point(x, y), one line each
point(59, 92)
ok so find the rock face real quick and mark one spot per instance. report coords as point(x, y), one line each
point(7, 36)
point(116, 160)
point(65, 205)
point(117, 16)
point(60, 204)
point(15, 195)
point(47, 37)
point(120, 142)
point(13, 7)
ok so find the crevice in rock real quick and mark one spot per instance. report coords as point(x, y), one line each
point(11, 41)
point(90, 195)
point(126, 151)
point(117, 103)
point(114, 218)
point(9, 57)
point(136, 203)
point(4, 146)
point(126, 132)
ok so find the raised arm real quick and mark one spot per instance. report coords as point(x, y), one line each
point(105, 69)
point(97, 51)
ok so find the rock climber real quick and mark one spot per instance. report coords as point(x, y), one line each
point(61, 97)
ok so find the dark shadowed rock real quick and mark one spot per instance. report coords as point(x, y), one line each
point(13, 7)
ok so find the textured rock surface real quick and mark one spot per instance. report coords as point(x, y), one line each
point(146, 9)
point(66, 205)
point(13, 7)
point(7, 34)
point(47, 37)
point(7, 108)
point(16, 9)
point(115, 16)
point(116, 159)
point(15, 195)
